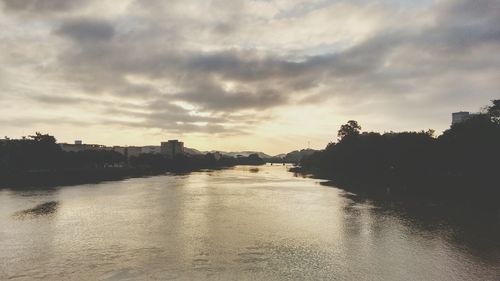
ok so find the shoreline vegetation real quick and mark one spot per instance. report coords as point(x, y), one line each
point(38, 161)
point(461, 164)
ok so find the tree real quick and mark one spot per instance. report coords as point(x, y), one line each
point(43, 138)
point(352, 128)
point(430, 132)
point(494, 111)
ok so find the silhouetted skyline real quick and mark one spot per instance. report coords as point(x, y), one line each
point(238, 75)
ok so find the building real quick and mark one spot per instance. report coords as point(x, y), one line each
point(133, 151)
point(172, 148)
point(151, 149)
point(74, 147)
point(79, 146)
point(70, 147)
point(128, 151)
point(461, 116)
point(120, 149)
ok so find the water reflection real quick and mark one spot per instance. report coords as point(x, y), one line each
point(44, 209)
point(240, 225)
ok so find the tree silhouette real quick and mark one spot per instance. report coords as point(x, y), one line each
point(462, 162)
point(350, 129)
point(494, 111)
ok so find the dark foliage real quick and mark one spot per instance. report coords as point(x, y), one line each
point(41, 152)
point(192, 162)
point(39, 160)
point(351, 128)
point(33, 152)
point(463, 161)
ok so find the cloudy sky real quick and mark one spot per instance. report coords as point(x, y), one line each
point(268, 75)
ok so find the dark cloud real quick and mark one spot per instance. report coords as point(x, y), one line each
point(86, 29)
point(58, 100)
point(469, 24)
point(42, 6)
point(212, 97)
point(200, 76)
point(247, 65)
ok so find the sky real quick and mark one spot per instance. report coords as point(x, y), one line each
point(265, 75)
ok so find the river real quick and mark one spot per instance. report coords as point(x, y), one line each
point(244, 223)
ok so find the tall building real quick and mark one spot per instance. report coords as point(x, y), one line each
point(461, 116)
point(172, 148)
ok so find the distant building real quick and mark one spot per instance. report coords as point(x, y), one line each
point(127, 151)
point(151, 149)
point(94, 147)
point(69, 147)
point(461, 116)
point(120, 149)
point(172, 148)
point(133, 151)
point(79, 146)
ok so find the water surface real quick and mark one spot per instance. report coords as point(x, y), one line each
point(237, 224)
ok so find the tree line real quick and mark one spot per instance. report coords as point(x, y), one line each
point(39, 160)
point(463, 161)
point(41, 152)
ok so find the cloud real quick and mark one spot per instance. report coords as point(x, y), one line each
point(58, 100)
point(212, 97)
point(85, 30)
point(26, 122)
point(229, 61)
point(38, 6)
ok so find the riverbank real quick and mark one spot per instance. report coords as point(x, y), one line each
point(458, 189)
point(51, 178)
point(65, 177)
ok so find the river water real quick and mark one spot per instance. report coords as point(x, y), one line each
point(244, 223)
